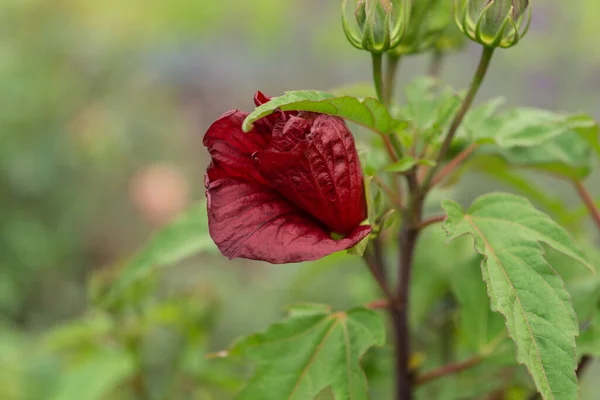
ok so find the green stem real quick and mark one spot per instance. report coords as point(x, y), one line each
point(390, 78)
point(378, 75)
point(392, 143)
point(484, 63)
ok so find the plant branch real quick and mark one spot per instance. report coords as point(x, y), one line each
point(449, 369)
point(482, 68)
point(453, 164)
point(394, 152)
point(407, 241)
point(587, 199)
point(378, 75)
point(379, 304)
point(373, 262)
point(435, 66)
point(394, 198)
point(431, 221)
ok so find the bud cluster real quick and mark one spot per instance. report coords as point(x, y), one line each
point(414, 26)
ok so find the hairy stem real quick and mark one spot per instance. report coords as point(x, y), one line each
point(482, 68)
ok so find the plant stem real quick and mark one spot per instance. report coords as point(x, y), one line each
point(392, 146)
point(374, 264)
point(452, 165)
point(435, 67)
point(449, 369)
point(482, 68)
point(588, 200)
point(407, 241)
point(390, 78)
point(432, 221)
point(379, 304)
point(393, 196)
point(378, 75)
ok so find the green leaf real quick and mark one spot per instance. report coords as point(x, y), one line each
point(589, 341)
point(367, 111)
point(430, 106)
point(480, 328)
point(567, 155)
point(310, 351)
point(499, 170)
point(521, 127)
point(359, 89)
point(95, 378)
point(508, 232)
point(407, 163)
point(184, 237)
point(527, 137)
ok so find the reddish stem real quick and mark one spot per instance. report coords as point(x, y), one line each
point(587, 199)
point(453, 164)
point(449, 369)
point(379, 304)
point(431, 221)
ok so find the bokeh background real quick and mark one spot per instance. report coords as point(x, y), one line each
point(103, 105)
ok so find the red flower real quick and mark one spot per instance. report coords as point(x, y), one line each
point(278, 192)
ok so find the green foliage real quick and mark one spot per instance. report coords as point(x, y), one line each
point(507, 231)
point(367, 112)
point(430, 107)
point(407, 163)
point(310, 351)
point(184, 237)
point(533, 138)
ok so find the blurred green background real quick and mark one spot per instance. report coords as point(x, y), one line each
point(103, 105)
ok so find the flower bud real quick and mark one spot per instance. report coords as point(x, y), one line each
point(379, 25)
point(494, 23)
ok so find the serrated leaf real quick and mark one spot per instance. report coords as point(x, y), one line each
point(499, 170)
point(430, 106)
point(533, 138)
point(508, 232)
point(567, 155)
point(520, 127)
point(367, 111)
point(306, 353)
point(185, 236)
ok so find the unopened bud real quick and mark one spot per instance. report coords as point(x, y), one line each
point(380, 24)
point(494, 23)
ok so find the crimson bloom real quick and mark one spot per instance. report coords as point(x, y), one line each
point(279, 192)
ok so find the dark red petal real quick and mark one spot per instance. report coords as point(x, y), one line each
point(260, 98)
point(321, 175)
point(231, 148)
point(288, 133)
point(250, 220)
